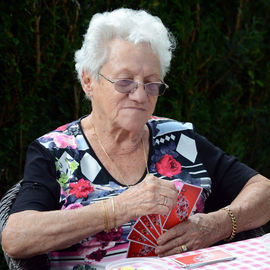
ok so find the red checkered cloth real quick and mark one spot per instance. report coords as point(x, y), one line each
point(250, 254)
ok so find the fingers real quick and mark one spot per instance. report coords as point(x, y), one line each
point(165, 201)
point(164, 193)
point(164, 189)
point(172, 242)
point(164, 183)
point(151, 196)
point(171, 251)
point(171, 234)
point(199, 231)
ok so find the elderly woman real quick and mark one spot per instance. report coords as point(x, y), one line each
point(87, 178)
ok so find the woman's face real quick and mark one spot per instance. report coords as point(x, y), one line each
point(125, 61)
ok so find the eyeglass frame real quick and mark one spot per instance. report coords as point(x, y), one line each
point(144, 85)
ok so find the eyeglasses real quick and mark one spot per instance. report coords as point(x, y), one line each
point(129, 86)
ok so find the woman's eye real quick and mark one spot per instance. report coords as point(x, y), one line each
point(125, 79)
point(124, 82)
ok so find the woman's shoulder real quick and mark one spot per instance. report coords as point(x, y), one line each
point(161, 125)
point(64, 136)
point(72, 128)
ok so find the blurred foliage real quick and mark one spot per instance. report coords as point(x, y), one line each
point(219, 77)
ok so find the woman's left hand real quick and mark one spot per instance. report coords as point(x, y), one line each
point(199, 231)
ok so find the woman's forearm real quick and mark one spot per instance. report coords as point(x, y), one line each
point(252, 206)
point(30, 233)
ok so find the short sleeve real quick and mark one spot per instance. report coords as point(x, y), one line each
point(228, 174)
point(39, 191)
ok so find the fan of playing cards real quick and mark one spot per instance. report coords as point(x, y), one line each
point(145, 232)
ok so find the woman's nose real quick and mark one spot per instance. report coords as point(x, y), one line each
point(139, 94)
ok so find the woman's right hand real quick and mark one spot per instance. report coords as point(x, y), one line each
point(152, 196)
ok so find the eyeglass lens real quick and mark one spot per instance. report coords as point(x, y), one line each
point(152, 89)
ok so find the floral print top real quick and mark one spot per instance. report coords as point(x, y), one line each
point(63, 172)
point(82, 179)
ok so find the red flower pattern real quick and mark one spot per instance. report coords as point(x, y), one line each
point(168, 166)
point(97, 255)
point(81, 189)
point(62, 128)
point(113, 235)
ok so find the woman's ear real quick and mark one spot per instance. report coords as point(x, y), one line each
point(86, 82)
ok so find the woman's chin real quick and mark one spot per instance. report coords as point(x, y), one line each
point(133, 125)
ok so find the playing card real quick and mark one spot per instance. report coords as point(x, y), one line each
point(147, 229)
point(139, 226)
point(152, 223)
point(136, 236)
point(203, 258)
point(162, 220)
point(139, 250)
point(186, 200)
point(178, 185)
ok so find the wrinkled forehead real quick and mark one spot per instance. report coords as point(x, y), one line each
point(138, 58)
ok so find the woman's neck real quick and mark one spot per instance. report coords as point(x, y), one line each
point(115, 139)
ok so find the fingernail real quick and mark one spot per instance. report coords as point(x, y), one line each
point(157, 250)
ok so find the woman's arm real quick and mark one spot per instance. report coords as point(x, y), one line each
point(252, 206)
point(29, 233)
point(251, 209)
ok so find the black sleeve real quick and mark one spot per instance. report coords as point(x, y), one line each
point(39, 191)
point(228, 174)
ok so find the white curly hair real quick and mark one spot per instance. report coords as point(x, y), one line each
point(135, 26)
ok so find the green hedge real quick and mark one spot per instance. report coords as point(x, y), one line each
point(219, 77)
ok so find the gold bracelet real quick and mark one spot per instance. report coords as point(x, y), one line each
point(234, 224)
point(114, 216)
point(106, 221)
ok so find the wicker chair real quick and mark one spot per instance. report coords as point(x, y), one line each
point(38, 262)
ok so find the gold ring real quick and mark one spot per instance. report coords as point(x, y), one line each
point(184, 248)
point(165, 200)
